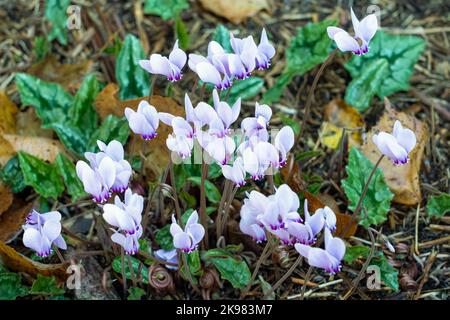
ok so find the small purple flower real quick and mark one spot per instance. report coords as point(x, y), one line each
point(328, 259)
point(247, 51)
point(235, 173)
point(144, 121)
point(265, 52)
point(329, 216)
point(170, 67)
point(396, 146)
point(364, 32)
point(129, 242)
point(43, 230)
point(193, 233)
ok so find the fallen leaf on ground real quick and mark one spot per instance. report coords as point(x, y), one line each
point(68, 76)
point(6, 150)
point(6, 198)
point(11, 220)
point(8, 111)
point(339, 115)
point(235, 10)
point(28, 124)
point(17, 262)
point(403, 180)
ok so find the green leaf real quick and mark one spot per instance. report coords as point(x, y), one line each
point(164, 239)
point(266, 287)
point(46, 286)
point(222, 36)
point(307, 154)
point(67, 170)
point(42, 176)
point(389, 275)
point(438, 206)
point(362, 88)
point(377, 201)
point(50, 101)
point(112, 128)
point(55, 12)
point(73, 138)
point(167, 9)
point(82, 114)
point(244, 89)
point(195, 265)
point(288, 121)
point(231, 267)
point(356, 252)
point(135, 263)
point(12, 176)
point(212, 193)
point(11, 286)
point(310, 47)
point(181, 33)
point(41, 47)
point(133, 80)
point(135, 293)
point(396, 53)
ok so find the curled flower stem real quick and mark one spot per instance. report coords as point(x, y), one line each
point(311, 95)
point(284, 277)
point(360, 202)
point(203, 216)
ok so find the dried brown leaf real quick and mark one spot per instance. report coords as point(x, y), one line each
point(8, 111)
point(11, 220)
point(6, 198)
point(235, 10)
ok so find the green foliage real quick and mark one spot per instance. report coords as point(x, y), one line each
point(73, 138)
point(133, 80)
point(41, 47)
point(135, 263)
point(112, 128)
point(244, 89)
point(288, 121)
point(82, 114)
point(67, 171)
point(222, 36)
point(55, 12)
point(266, 287)
point(307, 155)
point(164, 239)
point(50, 101)
point(42, 176)
point(230, 266)
point(135, 293)
point(182, 34)
point(356, 252)
point(12, 176)
point(212, 193)
point(195, 266)
point(438, 206)
point(377, 201)
point(11, 286)
point(44, 285)
point(310, 47)
point(391, 58)
point(167, 9)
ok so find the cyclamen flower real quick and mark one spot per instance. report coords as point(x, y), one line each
point(265, 52)
point(170, 256)
point(259, 159)
point(180, 144)
point(97, 181)
point(364, 32)
point(328, 259)
point(329, 216)
point(235, 173)
point(250, 224)
point(220, 149)
point(145, 121)
point(284, 141)
point(226, 115)
point(43, 230)
point(170, 67)
point(251, 125)
point(193, 233)
point(396, 146)
point(247, 51)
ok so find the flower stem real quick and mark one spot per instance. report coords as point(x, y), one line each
point(124, 278)
point(175, 194)
point(203, 215)
point(133, 276)
point(58, 253)
point(188, 271)
point(226, 190)
point(307, 276)
point(262, 257)
point(227, 209)
point(284, 277)
point(152, 85)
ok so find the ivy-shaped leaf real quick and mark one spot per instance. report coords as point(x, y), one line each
point(355, 252)
point(82, 113)
point(11, 286)
point(73, 138)
point(112, 128)
point(55, 12)
point(399, 53)
point(135, 263)
point(44, 285)
point(244, 89)
point(40, 175)
point(310, 47)
point(222, 36)
point(133, 80)
point(438, 206)
point(231, 267)
point(167, 9)
point(67, 171)
point(12, 176)
point(378, 198)
point(164, 238)
point(212, 193)
point(50, 100)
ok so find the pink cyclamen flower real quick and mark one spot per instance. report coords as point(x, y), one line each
point(144, 121)
point(226, 115)
point(329, 216)
point(235, 173)
point(43, 230)
point(170, 67)
point(328, 259)
point(251, 125)
point(188, 239)
point(265, 52)
point(97, 181)
point(254, 206)
point(284, 141)
point(364, 32)
point(247, 51)
point(396, 146)
point(306, 232)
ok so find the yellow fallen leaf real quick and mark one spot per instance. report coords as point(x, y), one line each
point(402, 180)
point(8, 111)
point(235, 10)
point(330, 135)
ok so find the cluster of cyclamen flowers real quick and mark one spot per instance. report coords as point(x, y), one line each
point(277, 214)
point(219, 67)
